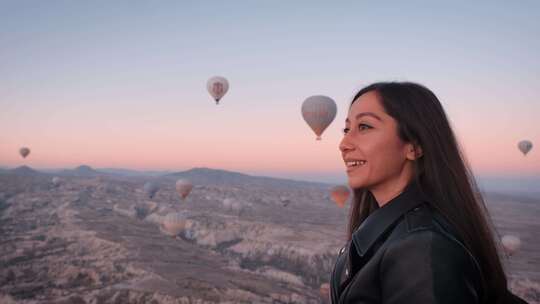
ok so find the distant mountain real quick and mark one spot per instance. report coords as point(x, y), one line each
point(131, 173)
point(199, 176)
point(529, 197)
point(207, 176)
point(526, 186)
point(82, 171)
point(24, 171)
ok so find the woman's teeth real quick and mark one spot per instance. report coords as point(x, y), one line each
point(355, 163)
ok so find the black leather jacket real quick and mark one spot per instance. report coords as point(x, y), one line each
point(405, 252)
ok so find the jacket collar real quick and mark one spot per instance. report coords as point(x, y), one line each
point(382, 219)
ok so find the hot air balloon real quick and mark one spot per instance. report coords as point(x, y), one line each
point(174, 223)
point(217, 86)
point(319, 111)
point(525, 146)
point(183, 187)
point(285, 201)
point(227, 203)
point(142, 210)
point(233, 205)
point(511, 244)
point(24, 151)
point(56, 181)
point(325, 291)
point(339, 195)
point(190, 231)
point(150, 189)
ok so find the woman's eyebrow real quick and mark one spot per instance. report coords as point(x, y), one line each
point(360, 115)
point(368, 114)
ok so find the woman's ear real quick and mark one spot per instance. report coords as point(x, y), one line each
point(414, 151)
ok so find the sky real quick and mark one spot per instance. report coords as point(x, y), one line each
point(123, 83)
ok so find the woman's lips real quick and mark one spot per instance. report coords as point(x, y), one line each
point(354, 164)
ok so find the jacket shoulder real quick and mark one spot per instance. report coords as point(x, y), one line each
point(425, 244)
point(424, 266)
point(419, 218)
point(424, 219)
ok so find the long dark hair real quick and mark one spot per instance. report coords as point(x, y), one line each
point(442, 174)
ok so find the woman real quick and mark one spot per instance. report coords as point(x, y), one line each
point(418, 228)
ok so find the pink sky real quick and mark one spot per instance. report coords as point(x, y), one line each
point(228, 137)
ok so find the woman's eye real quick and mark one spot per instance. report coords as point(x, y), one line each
point(363, 127)
point(346, 130)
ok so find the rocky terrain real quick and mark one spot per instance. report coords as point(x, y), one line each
point(98, 239)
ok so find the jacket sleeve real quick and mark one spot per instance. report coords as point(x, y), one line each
point(427, 267)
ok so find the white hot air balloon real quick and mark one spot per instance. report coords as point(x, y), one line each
point(232, 205)
point(56, 181)
point(183, 187)
point(319, 112)
point(217, 86)
point(174, 223)
point(150, 189)
point(227, 203)
point(511, 244)
point(24, 151)
point(525, 146)
point(339, 195)
point(285, 201)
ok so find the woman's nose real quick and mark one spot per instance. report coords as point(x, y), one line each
point(345, 145)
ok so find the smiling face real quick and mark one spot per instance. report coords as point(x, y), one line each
point(375, 157)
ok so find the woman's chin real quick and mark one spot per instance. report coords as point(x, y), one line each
point(356, 183)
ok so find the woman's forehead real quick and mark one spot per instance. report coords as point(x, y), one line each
point(367, 103)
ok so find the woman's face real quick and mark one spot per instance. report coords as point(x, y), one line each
point(375, 157)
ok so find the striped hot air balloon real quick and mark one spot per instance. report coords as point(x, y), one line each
point(217, 86)
point(319, 112)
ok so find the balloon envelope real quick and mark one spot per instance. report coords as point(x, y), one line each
point(217, 86)
point(285, 201)
point(319, 111)
point(150, 189)
point(174, 223)
point(511, 244)
point(325, 291)
point(142, 210)
point(56, 181)
point(24, 151)
point(339, 195)
point(227, 203)
point(232, 204)
point(183, 187)
point(525, 146)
